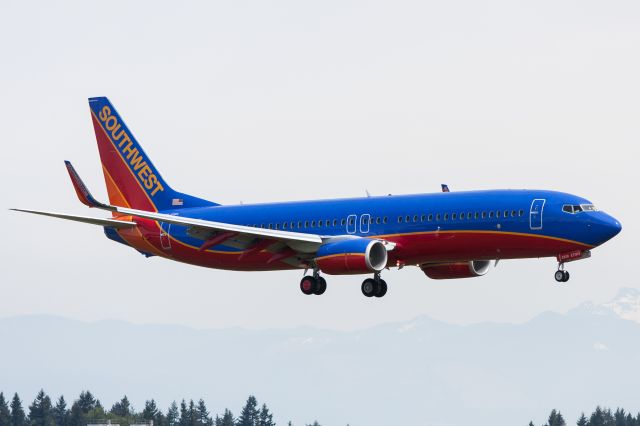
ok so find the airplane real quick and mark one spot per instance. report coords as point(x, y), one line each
point(446, 234)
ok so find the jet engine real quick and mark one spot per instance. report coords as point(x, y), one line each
point(474, 268)
point(351, 256)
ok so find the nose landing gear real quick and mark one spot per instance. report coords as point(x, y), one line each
point(561, 275)
point(375, 286)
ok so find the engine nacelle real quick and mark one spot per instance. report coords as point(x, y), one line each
point(352, 256)
point(475, 268)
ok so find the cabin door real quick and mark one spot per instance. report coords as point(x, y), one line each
point(535, 215)
point(165, 241)
point(364, 223)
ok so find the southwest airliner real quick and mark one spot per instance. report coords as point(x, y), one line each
point(446, 234)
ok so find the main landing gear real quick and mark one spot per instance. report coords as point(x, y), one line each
point(561, 275)
point(375, 286)
point(313, 284)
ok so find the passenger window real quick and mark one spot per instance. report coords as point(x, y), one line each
point(407, 218)
point(313, 223)
point(399, 219)
point(384, 220)
point(521, 213)
point(423, 218)
point(454, 216)
point(430, 218)
point(498, 214)
point(476, 215)
point(506, 214)
point(513, 213)
point(490, 214)
point(446, 216)
point(378, 220)
point(306, 223)
point(438, 216)
point(269, 226)
point(299, 224)
point(284, 225)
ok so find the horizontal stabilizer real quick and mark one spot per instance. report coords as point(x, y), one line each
point(92, 220)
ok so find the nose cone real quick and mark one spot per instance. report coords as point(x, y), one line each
point(606, 227)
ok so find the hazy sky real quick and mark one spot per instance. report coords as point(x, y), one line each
point(289, 100)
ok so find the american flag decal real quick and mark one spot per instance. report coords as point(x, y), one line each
point(177, 202)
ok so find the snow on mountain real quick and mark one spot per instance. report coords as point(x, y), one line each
point(626, 304)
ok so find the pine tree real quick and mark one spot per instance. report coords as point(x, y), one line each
point(608, 417)
point(191, 414)
point(265, 418)
point(226, 420)
point(86, 402)
point(315, 423)
point(620, 417)
point(597, 418)
point(60, 412)
point(151, 412)
point(122, 408)
point(249, 414)
point(5, 414)
point(202, 415)
point(531, 423)
point(81, 408)
point(173, 415)
point(582, 421)
point(18, 418)
point(41, 410)
point(556, 419)
point(184, 414)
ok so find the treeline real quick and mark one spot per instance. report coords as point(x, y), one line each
point(87, 410)
point(600, 417)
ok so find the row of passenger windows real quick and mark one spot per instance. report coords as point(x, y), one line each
point(329, 223)
point(461, 216)
point(319, 223)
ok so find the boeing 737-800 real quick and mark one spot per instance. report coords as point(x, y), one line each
point(445, 234)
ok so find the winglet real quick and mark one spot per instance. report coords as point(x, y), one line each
point(445, 187)
point(81, 189)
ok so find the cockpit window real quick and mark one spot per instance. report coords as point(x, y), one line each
point(577, 208)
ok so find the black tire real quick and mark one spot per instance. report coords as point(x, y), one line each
point(368, 287)
point(381, 288)
point(321, 286)
point(559, 276)
point(308, 284)
point(566, 276)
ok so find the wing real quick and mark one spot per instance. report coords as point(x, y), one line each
point(92, 220)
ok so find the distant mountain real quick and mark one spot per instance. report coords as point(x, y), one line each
point(422, 372)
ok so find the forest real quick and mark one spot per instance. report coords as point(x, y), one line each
point(87, 409)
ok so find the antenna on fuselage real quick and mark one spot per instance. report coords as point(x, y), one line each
point(445, 187)
point(367, 192)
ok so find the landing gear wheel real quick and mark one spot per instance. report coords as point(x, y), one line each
point(559, 276)
point(381, 288)
point(308, 284)
point(321, 286)
point(566, 276)
point(369, 287)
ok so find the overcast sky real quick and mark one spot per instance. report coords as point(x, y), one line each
point(288, 100)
